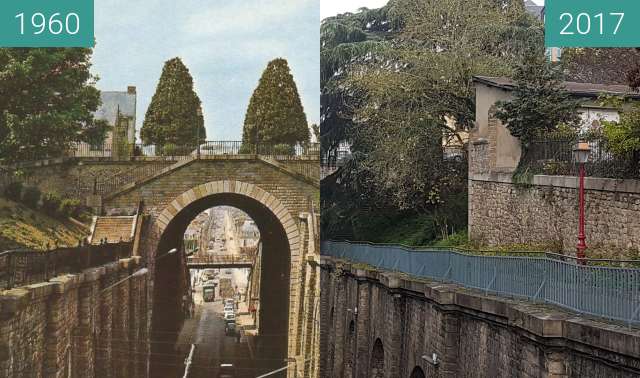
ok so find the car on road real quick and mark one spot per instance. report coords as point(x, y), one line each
point(228, 308)
point(229, 302)
point(229, 317)
point(230, 328)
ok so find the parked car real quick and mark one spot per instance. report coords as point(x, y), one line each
point(229, 317)
point(228, 308)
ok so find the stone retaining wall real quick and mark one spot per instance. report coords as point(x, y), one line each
point(72, 327)
point(546, 212)
point(381, 324)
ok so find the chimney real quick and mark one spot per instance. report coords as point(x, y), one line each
point(131, 90)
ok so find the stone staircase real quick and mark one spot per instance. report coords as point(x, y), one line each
point(112, 229)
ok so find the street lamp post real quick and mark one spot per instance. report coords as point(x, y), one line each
point(581, 155)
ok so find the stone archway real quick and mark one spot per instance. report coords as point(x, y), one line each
point(175, 216)
point(349, 362)
point(376, 366)
point(417, 373)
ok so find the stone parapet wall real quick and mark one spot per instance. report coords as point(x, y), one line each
point(472, 335)
point(71, 326)
point(546, 212)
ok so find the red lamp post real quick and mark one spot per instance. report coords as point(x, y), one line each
point(581, 154)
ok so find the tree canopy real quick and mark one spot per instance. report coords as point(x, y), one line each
point(175, 113)
point(47, 100)
point(541, 103)
point(396, 83)
point(275, 114)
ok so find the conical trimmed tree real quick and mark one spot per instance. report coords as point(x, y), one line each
point(174, 115)
point(275, 115)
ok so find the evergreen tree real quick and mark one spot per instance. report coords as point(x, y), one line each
point(174, 115)
point(275, 115)
point(47, 100)
point(540, 103)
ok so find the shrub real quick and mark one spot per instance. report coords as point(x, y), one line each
point(283, 149)
point(13, 191)
point(31, 196)
point(70, 207)
point(51, 203)
point(169, 149)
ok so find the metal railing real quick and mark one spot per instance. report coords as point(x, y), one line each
point(106, 185)
point(221, 260)
point(298, 158)
point(24, 267)
point(206, 148)
point(552, 154)
point(609, 292)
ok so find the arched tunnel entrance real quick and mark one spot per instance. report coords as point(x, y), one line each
point(172, 284)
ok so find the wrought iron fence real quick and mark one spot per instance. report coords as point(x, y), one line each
point(106, 185)
point(553, 155)
point(609, 292)
point(205, 148)
point(25, 267)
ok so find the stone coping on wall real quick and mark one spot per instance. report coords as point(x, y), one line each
point(570, 182)
point(540, 320)
point(15, 300)
point(151, 159)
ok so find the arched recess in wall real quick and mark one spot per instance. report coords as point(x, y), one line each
point(350, 350)
point(417, 373)
point(332, 344)
point(376, 367)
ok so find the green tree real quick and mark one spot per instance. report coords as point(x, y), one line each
point(174, 116)
point(275, 114)
point(47, 100)
point(396, 83)
point(540, 103)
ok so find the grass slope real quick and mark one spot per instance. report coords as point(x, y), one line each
point(21, 227)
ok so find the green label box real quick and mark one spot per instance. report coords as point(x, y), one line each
point(46, 23)
point(592, 23)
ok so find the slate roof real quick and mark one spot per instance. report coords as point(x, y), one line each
point(576, 89)
point(110, 102)
point(534, 9)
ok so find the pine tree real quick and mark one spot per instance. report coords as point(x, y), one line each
point(174, 115)
point(540, 102)
point(275, 115)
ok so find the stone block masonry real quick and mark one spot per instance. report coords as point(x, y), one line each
point(71, 326)
point(546, 212)
point(378, 324)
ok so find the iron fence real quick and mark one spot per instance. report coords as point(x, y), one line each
point(171, 150)
point(298, 158)
point(24, 267)
point(553, 155)
point(609, 292)
point(106, 185)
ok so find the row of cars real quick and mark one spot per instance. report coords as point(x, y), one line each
point(229, 314)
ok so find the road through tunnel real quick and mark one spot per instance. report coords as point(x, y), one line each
point(172, 285)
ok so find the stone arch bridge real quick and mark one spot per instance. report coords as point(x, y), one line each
point(280, 194)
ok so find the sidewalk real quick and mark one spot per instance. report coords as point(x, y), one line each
point(244, 320)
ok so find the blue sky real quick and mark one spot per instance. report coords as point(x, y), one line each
point(225, 44)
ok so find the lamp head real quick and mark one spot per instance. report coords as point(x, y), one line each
point(581, 152)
